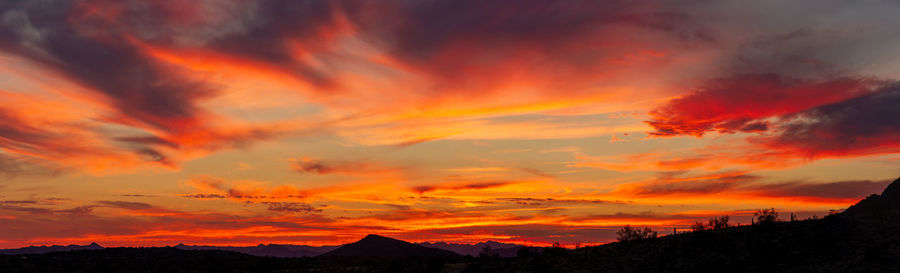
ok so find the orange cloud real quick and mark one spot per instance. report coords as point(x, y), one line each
point(744, 186)
point(213, 188)
point(464, 186)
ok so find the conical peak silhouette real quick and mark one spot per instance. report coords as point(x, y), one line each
point(374, 245)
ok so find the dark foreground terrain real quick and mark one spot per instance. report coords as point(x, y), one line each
point(864, 238)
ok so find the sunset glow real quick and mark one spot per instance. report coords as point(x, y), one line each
point(239, 122)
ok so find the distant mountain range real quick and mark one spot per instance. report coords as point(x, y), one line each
point(491, 248)
point(286, 251)
point(270, 250)
point(48, 249)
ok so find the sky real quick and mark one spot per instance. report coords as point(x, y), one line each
point(239, 122)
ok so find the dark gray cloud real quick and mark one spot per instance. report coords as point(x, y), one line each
point(473, 43)
point(864, 125)
point(840, 189)
point(668, 183)
point(139, 195)
point(38, 208)
point(101, 58)
point(291, 207)
point(205, 196)
point(125, 205)
point(676, 183)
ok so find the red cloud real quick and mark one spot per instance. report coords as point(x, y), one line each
point(792, 118)
point(742, 103)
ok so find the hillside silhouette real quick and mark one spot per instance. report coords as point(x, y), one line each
point(863, 238)
point(888, 202)
point(379, 246)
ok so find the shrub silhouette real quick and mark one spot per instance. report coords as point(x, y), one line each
point(628, 233)
point(719, 222)
point(698, 226)
point(766, 216)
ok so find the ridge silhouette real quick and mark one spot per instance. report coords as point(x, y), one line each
point(887, 202)
point(49, 249)
point(489, 248)
point(270, 250)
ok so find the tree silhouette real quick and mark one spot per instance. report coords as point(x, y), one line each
point(719, 222)
point(766, 216)
point(628, 233)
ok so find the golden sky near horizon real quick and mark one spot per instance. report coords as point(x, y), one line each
point(238, 122)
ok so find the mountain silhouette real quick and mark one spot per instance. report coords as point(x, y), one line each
point(48, 249)
point(379, 246)
point(493, 248)
point(887, 202)
point(270, 250)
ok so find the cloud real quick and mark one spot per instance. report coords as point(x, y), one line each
point(860, 126)
point(291, 207)
point(22, 137)
point(738, 184)
point(413, 215)
point(537, 172)
point(88, 52)
point(12, 167)
point(206, 183)
point(775, 83)
point(100, 47)
point(156, 227)
point(549, 201)
point(113, 85)
point(126, 205)
point(240, 191)
point(139, 195)
point(422, 69)
point(671, 183)
point(29, 207)
point(808, 120)
point(310, 165)
point(465, 186)
point(852, 190)
point(205, 196)
point(470, 43)
point(743, 103)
